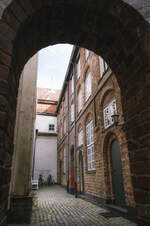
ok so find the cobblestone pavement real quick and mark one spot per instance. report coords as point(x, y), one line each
point(55, 207)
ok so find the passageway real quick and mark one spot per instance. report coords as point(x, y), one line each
point(54, 206)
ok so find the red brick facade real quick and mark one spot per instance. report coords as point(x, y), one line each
point(104, 89)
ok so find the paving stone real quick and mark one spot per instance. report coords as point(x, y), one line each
point(53, 206)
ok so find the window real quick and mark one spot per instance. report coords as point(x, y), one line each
point(88, 86)
point(80, 100)
point(51, 127)
point(90, 146)
point(72, 112)
point(87, 53)
point(72, 84)
point(103, 66)
point(65, 158)
point(108, 111)
point(78, 68)
point(80, 137)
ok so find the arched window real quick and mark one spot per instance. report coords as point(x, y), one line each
point(80, 136)
point(103, 66)
point(79, 100)
point(90, 146)
point(88, 86)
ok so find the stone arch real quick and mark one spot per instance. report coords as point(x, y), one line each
point(105, 93)
point(113, 29)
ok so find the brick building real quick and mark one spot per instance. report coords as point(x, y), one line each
point(92, 150)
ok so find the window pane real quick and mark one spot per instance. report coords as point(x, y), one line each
point(101, 62)
point(80, 100)
point(108, 112)
point(90, 146)
point(72, 112)
point(78, 68)
point(88, 86)
point(72, 84)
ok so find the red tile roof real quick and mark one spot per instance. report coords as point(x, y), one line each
point(47, 100)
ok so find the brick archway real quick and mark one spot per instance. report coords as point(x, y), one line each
point(112, 29)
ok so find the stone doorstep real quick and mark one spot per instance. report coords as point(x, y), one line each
point(19, 224)
point(118, 208)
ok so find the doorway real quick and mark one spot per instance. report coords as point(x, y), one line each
point(81, 171)
point(117, 178)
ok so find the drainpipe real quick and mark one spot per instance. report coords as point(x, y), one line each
point(75, 145)
point(36, 133)
point(67, 137)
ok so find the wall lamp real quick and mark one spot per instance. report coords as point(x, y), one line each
point(115, 118)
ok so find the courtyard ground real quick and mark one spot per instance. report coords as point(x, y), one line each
point(53, 206)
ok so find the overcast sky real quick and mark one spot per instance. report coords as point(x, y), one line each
point(52, 65)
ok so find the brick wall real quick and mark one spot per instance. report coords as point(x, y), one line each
point(99, 182)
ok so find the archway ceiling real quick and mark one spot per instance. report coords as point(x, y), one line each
point(106, 27)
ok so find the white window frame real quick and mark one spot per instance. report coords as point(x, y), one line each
point(80, 137)
point(78, 67)
point(88, 86)
point(103, 66)
point(90, 146)
point(108, 111)
point(72, 84)
point(79, 100)
point(72, 112)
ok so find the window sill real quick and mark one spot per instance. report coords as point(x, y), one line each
point(91, 171)
point(105, 129)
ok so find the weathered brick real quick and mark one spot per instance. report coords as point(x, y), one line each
point(4, 58)
point(4, 72)
point(141, 167)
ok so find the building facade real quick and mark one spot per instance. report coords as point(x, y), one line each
point(92, 148)
point(45, 159)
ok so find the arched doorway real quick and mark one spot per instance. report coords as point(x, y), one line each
point(117, 177)
point(81, 172)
